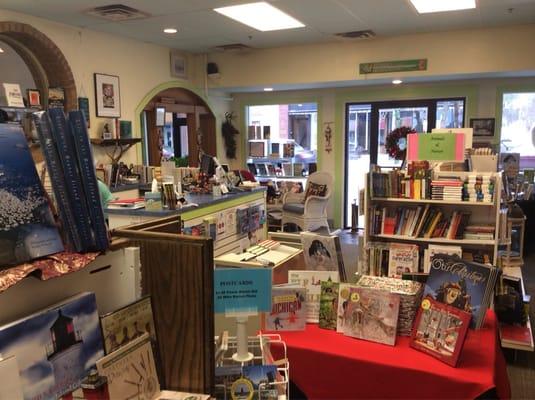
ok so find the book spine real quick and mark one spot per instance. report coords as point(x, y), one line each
point(66, 152)
point(57, 177)
point(89, 178)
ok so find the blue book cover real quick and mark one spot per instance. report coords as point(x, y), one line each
point(461, 284)
point(89, 178)
point(65, 146)
point(56, 347)
point(27, 226)
point(57, 178)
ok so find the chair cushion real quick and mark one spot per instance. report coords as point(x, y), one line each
point(315, 189)
point(296, 208)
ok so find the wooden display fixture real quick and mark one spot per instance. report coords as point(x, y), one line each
point(177, 270)
point(120, 146)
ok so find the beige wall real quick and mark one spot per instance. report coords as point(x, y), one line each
point(483, 51)
point(140, 67)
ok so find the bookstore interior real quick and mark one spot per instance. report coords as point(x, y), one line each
point(263, 207)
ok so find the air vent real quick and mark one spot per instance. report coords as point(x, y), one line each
point(366, 34)
point(117, 12)
point(236, 47)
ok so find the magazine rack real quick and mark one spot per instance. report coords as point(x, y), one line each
point(260, 348)
point(178, 271)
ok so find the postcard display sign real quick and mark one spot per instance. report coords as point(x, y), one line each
point(251, 371)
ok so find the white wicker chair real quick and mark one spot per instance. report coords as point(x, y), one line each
point(309, 214)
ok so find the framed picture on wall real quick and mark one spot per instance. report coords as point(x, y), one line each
point(482, 126)
point(107, 96)
point(178, 65)
point(34, 98)
point(160, 116)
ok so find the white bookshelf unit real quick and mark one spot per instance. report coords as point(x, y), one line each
point(480, 213)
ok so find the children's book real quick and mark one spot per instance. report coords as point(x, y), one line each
point(434, 249)
point(402, 258)
point(263, 378)
point(329, 305)
point(465, 285)
point(440, 330)
point(311, 280)
point(343, 300)
point(288, 308)
point(372, 315)
point(323, 253)
point(27, 227)
point(56, 347)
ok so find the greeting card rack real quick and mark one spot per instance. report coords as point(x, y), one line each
point(260, 347)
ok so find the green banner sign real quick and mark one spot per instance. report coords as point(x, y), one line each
point(393, 66)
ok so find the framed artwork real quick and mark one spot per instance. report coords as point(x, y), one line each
point(34, 98)
point(323, 253)
point(482, 126)
point(178, 65)
point(56, 97)
point(107, 96)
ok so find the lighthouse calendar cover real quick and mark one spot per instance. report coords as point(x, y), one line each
point(56, 347)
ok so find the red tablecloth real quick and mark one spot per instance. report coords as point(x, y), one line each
point(328, 365)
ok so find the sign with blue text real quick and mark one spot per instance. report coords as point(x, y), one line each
point(242, 290)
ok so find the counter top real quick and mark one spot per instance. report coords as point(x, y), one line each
point(202, 200)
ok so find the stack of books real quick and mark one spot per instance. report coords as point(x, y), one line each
point(447, 189)
point(480, 188)
point(479, 232)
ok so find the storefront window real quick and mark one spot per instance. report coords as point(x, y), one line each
point(518, 127)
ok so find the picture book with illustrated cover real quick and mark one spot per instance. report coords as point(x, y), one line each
point(56, 347)
point(372, 314)
point(465, 285)
point(344, 290)
point(434, 249)
point(288, 309)
point(127, 323)
point(329, 305)
point(440, 330)
point(27, 226)
point(402, 258)
point(323, 253)
point(131, 371)
point(263, 378)
point(311, 280)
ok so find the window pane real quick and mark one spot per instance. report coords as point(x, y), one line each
point(518, 127)
point(450, 114)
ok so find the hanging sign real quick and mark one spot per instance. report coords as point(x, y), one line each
point(393, 66)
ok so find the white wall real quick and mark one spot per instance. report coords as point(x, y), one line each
point(14, 70)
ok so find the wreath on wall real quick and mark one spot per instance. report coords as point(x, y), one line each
point(229, 133)
point(396, 142)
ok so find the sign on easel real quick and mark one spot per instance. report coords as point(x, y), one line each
point(435, 146)
point(242, 289)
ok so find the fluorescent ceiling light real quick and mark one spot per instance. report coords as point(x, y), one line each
point(268, 89)
point(397, 81)
point(261, 16)
point(431, 6)
point(170, 30)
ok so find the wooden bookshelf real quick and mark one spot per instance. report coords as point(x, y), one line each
point(471, 242)
point(115, 142)
point(430, 201)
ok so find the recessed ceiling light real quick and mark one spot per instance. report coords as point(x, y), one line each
point(1, 50)
point(268, 89)
point(428, 6)
point(397, 81)
point(261, 16)
point(170, 30)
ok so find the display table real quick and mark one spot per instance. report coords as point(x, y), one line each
point(329, 365)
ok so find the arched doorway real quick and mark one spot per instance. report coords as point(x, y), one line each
point(44, 59)
point(172, 121)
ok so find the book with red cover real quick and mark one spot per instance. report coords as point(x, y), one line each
point(519, 335)
point(440, 330)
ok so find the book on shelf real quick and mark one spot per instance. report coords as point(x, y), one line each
point(329, 305)
point(466, 285)
point(59, 185)
point(372, 314)
point(27, 226)
point(65, 145)
point(402, 258)
point(440, 330)
point(55, 347)
point(288, 308)
point(311, 280)
point(378, 257)
point(88, 176)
